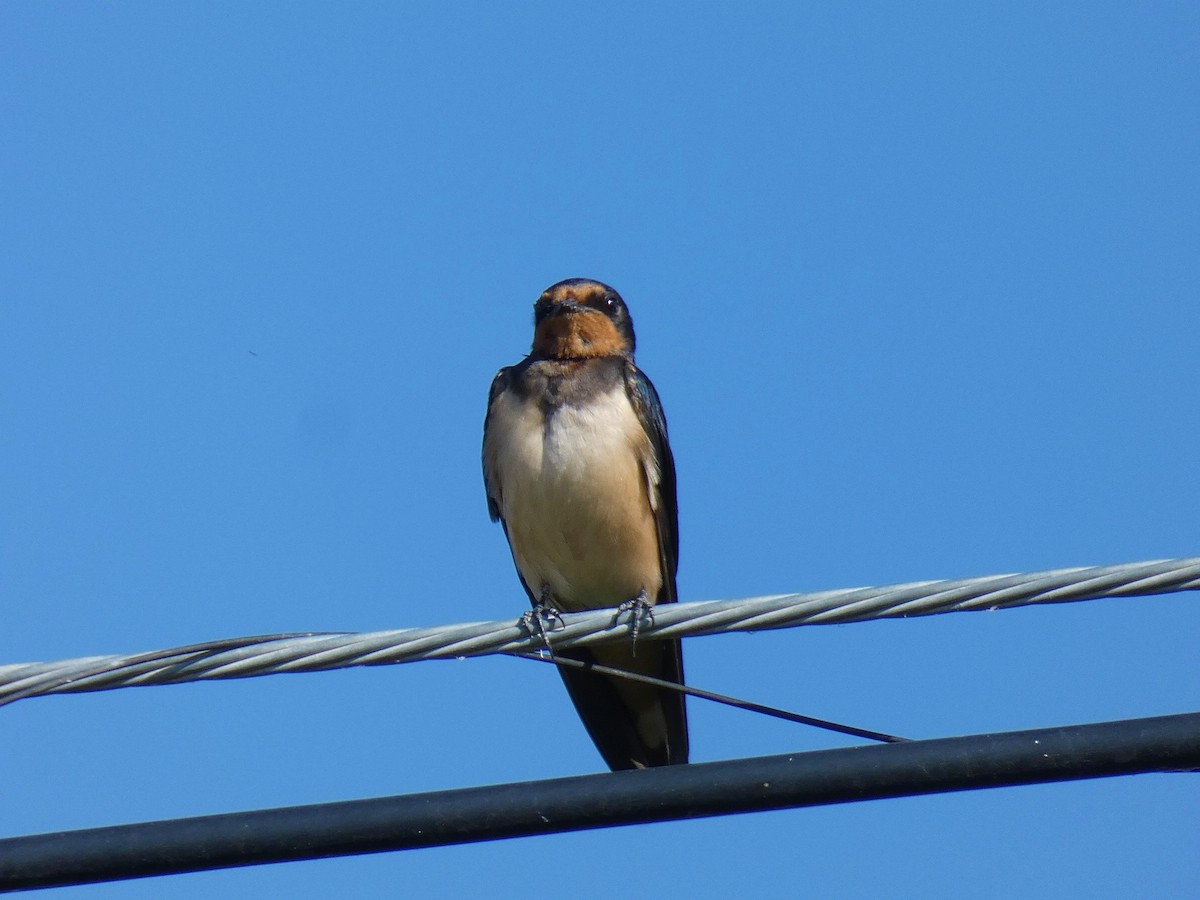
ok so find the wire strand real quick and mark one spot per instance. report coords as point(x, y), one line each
point(308, 652)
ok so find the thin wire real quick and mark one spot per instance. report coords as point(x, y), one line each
point(799, 719)
point(273, 654)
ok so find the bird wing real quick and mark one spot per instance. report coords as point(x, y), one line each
point(644, 399)
point(490, 484)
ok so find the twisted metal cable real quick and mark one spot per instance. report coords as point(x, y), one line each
point(272, 654)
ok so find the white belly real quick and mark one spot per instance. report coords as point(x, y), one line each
point(575, 495)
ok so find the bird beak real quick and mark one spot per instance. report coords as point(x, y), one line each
point(566, 308)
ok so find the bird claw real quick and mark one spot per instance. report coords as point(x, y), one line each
point(542, 619)
point(638, 607)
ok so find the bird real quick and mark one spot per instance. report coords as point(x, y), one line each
point(579, 472)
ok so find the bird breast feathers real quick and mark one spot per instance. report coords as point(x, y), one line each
point(577, 491)
point(596, 455)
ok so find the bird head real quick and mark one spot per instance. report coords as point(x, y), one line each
point(579, 319)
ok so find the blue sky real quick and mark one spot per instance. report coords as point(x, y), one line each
point(917, 284)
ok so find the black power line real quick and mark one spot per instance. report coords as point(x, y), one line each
point(1167, 743)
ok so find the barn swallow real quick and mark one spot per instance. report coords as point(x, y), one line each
point(579, 473)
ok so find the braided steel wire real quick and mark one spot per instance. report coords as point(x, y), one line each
point(273, 654)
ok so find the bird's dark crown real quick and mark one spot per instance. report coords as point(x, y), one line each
point(580, 318)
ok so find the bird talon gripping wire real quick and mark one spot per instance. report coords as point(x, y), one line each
point(536, 620)
point(636, 608)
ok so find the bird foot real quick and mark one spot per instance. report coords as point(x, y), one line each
point(638, 607)
point(542, 619)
